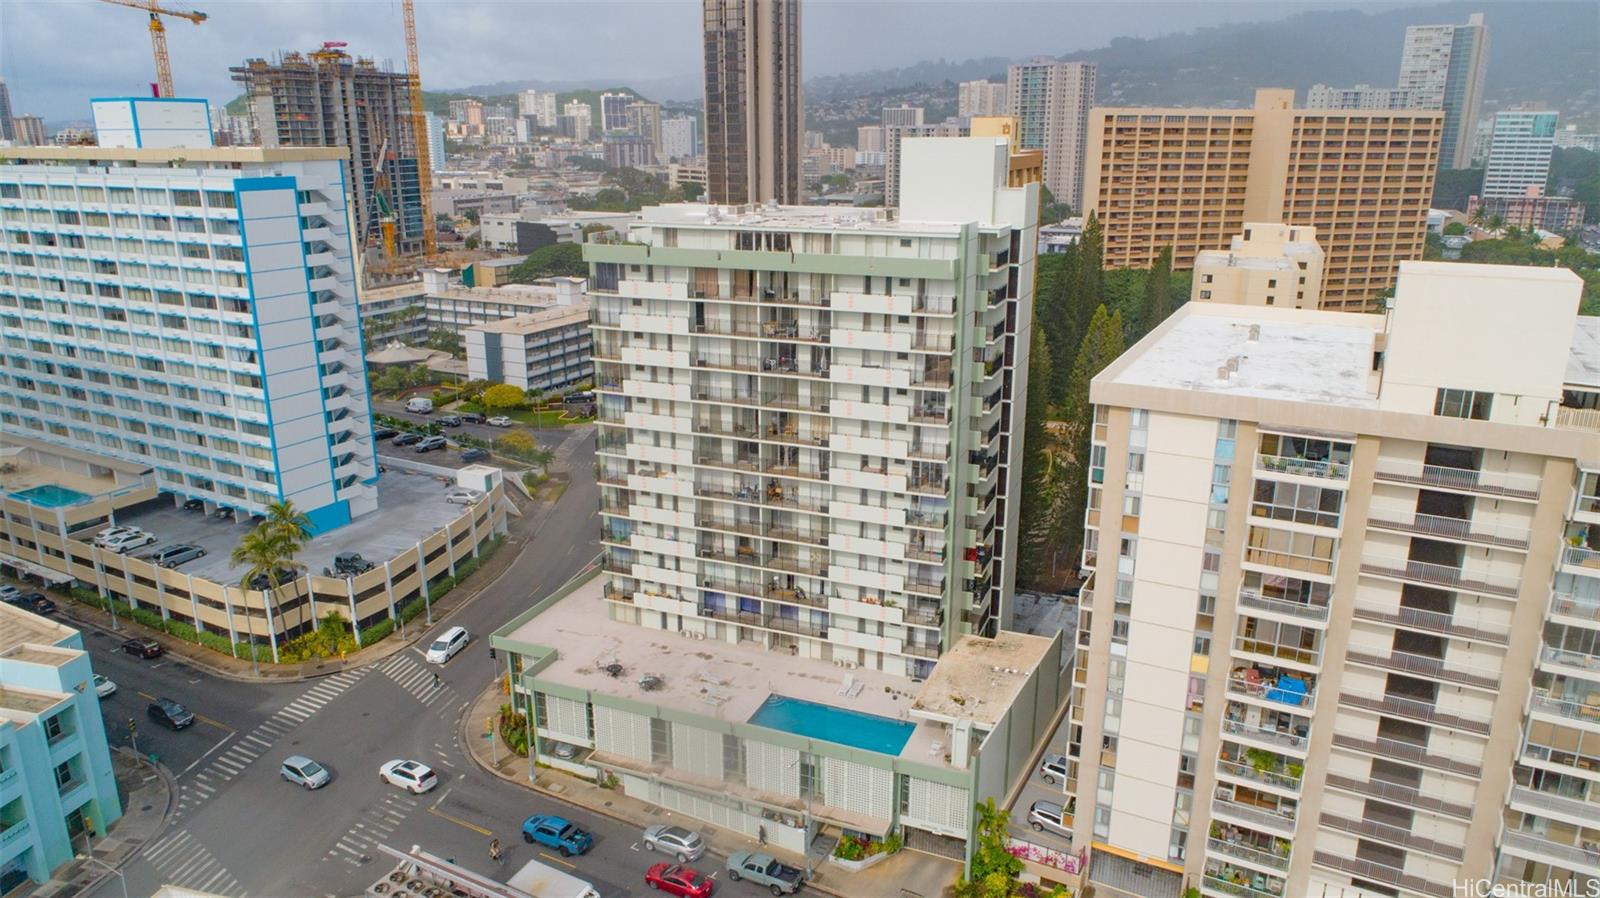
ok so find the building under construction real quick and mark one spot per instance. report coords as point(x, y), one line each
point(328, 98)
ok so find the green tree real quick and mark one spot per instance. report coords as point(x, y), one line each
point(1038, 503)
point(994, 869)
point(1454, 229)
point(1089, 286)
point(1157, 293)
point(503, 396)
point(517, 443)
point(267, 553)
point(444, 339)
point(291, 523)
point(1102, 343)
point(472, 242)
point(1051, 211)
point(555, 260)
point(691, 191)
point(1055, 316)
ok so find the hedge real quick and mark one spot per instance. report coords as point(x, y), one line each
point(377, 632)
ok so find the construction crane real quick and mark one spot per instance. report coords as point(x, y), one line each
point(419, 129)
point(158, 37)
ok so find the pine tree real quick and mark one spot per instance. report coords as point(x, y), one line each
point(1090, 289)
point(1102, 343)
point(1157, 294)
point(1036, 513)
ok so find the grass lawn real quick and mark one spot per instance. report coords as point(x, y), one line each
point(545, 418)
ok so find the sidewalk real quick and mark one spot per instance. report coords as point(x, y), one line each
point(909, 870)
point(146, 794)
point(241, 670)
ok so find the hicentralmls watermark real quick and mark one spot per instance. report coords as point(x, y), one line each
point(1488, 888)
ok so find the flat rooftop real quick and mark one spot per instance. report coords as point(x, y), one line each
point(214, 155)
point(978, 679)
point(28, 701)
point(730, 681)
point(1295, 355)
point(21, 630)
point(1232, 259)
point(542, 320)
point(410, 507)
point(1583, 364)
point(795, 218)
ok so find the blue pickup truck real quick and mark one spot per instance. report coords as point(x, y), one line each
point(556, 832)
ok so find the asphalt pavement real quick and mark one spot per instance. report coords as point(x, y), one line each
point(240, 830)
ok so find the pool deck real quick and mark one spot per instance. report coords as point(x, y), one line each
point(725, 681)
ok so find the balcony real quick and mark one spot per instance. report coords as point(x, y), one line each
point(1278, 651)
point(1582, 712)
point(1414, 709)
point(1582, 557)
point(1303, 467)
point(1581, 859)
point(1393, 835)
point(1571, 606)
point(1409, 521)
point(1576, 808)
point(1431, 621)
point(920, 650)
point(1286, 691)
point(1428, 574)
point(1278, 738)
point(1299, 610)
point(1382, 873)
point(1242, 852)
point(1229, 887)
point(1282, 824)
point(1407, 751)
point(1438, 668)
point(1266, 768)
point(1578, 660)
point(11, 832)
point(1466, 480)
point(1403, 795)
point(732, 615)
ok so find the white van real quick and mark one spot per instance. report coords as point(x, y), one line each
point(420, 405)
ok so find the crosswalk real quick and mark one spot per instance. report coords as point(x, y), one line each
point(246, 749)
point(183, 861)
point(377, 824)
point(415, 678)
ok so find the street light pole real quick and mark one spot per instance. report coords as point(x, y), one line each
point(110, 869)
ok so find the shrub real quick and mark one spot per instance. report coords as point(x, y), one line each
point(215, 642)
point(377, 632)
point(514, 730)
point(411, 609)
point(183, 631)
point(465, 569)
point(148, 618)
point(440, 587)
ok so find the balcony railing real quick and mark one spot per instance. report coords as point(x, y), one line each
point(1570, 855)
point(1571, 606)
point(1303, 467)
point(1433, 621)
point(1561, 804)
point(1409, 521)
point(1302, 610)
point(1431, 574)
point(1382, 873)
point(1413, 709)
point(1579, 711)
point(1393, 835)
point(1271, 692)
point(1438, 668)
point(1393, 749)
point(1295, 654)
point(1580, 556)
point(1569, 659)
point(1254, 816)
point(1263, 734)
point(1228, 887)
point(1276, 779)
point(921, 650)
point(1249, 854)
point(1493, 483)
point(1404, 795)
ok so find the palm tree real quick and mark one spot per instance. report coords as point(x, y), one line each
point(266, 553)
point(285, 518)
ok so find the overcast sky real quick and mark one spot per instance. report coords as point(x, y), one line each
point(56, 54)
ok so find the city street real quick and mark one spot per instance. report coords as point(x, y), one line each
point(239, 829)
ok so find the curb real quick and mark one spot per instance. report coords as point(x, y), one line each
point(466, 736)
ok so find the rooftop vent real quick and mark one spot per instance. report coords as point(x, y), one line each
point(1255, 333)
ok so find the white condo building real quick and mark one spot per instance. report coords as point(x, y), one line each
point(1340, 637)
point(192, 309)
point(1520, 147)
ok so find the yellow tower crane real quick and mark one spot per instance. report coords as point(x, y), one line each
point(158, 36)
point(419, 129)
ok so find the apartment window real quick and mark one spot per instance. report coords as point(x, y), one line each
point(1471, 404)
point(1205, 278)
point(63, 774)
point(1205, 294)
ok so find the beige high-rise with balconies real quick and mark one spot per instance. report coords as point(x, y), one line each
point(1342, 635)
point(1191, 178)
point(1267, 265)
point(755, 114)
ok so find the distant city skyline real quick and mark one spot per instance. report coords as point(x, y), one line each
point(642, 42)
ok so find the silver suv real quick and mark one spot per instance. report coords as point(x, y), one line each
point(172, 556)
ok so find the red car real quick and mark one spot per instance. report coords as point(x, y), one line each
point(676, 879)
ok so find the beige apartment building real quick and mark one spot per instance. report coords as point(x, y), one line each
point(1267, 265)
point(1191, 178)
point(1341, 634)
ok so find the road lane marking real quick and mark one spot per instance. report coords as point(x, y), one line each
point(551, 857)
point(634, 846)
point(223, 741)
point(459, 822)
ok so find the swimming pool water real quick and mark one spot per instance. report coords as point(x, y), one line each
point(50, 496)
point(853, 728)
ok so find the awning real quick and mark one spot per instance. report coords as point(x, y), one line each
point(35, 569)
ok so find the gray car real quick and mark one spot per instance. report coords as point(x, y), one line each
point(302, 771)
point(684, 845)
point(429, 444)
point(172, 556)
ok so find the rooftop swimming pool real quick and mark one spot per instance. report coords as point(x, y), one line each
point(50, 496)
point(868, 732)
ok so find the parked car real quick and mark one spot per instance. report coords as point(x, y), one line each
point(498, 421)
point(683, 844)
point(419, 405)
point(556, 832)
point(170, 714)
point(475, 455)
point(8, 592)
point(566, 751)
point(450, 420)
point(37, 602)
point(262, 583)
point(765, 870)
point(471, 417)
point(384, 433)
point(103, 686)
point(194, 505)
point(112, 533)
point(172, 556)
point(406, 439)
point(413, 776)
point(127, 542)
point(1053, 768)
point(351, 563)
point(302, 771)
point(429, 444)
point(142, 647)
point(1048, 816)
point(463, 497)
point(449, 642)
point(677, 879)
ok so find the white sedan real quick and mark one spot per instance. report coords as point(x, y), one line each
point(412, 776)
point(463, 497)
point(103, 686)
point(498, 421)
